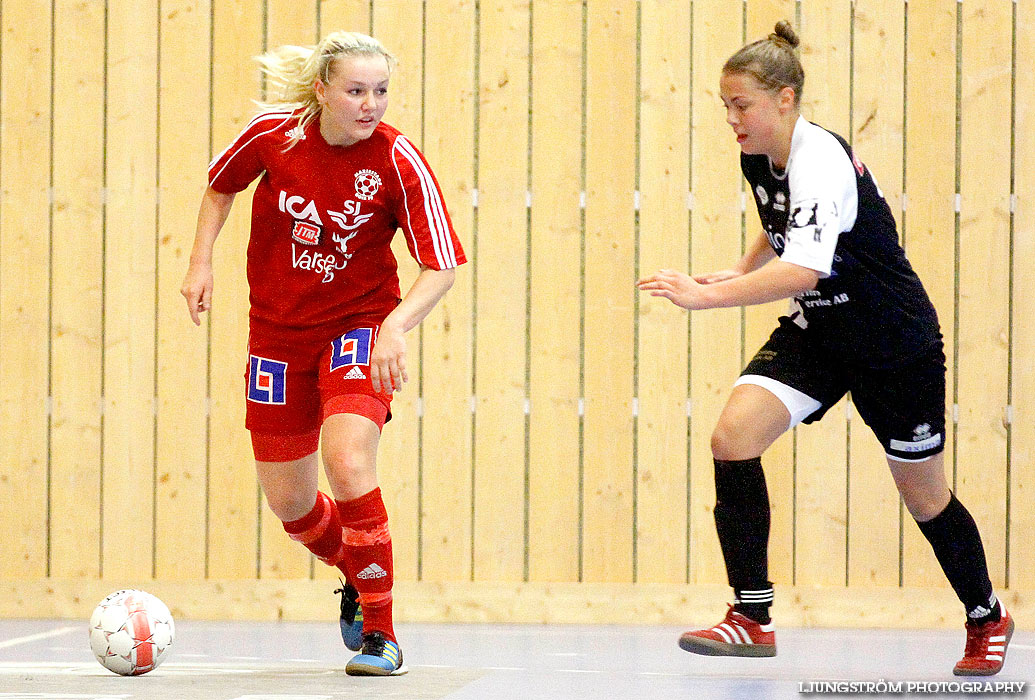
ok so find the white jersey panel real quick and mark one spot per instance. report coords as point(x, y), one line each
point(824, 197)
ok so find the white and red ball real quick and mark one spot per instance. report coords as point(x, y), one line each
point(131, 632)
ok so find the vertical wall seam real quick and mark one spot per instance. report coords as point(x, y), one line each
point(104, 294)
point(904, 214)
point(208, 329)
point(157, 289)
point(742, 182)
point(848, 422)
point(420, 340)
point(50, 297)
point(1, 141)
point(956, 238)
point(638, 133)
point(2, 123)
point(476, 165)
point(794, 433)
point(582, 288)
point(527, 512)
point(688, 544)
point(258, 486)
point(1010, 297)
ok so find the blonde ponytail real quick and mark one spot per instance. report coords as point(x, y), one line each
point(292, 71)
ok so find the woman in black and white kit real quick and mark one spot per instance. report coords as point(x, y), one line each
point(860, 321)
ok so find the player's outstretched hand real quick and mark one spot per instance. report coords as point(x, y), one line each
point(681, 289)
point(388, 360)
point(197, 290)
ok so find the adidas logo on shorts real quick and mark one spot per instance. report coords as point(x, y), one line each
point(355, 373)
point(372, 571)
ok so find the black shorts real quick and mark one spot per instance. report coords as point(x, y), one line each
point(903, 405)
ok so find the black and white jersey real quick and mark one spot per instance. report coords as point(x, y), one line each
point(825, 212)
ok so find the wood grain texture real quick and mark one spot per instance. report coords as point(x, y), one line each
point(76, 304)
point(1022, 453)
point(449, 94)
point(25, 230)
point(182, 355)
point(984, 255)
point(929, 230)
point(610, 276)
point(500, 318)
point(555, 325)
point(664, 224)
point(715, 236)
point(130, 326)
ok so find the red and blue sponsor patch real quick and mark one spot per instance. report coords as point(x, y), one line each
point(267, 380)
point(352, 348)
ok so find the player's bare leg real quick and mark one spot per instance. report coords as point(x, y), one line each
point(290, 487)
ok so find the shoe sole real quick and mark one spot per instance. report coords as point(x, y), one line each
point(370, 670)
point(710, 647)
point(988, 672)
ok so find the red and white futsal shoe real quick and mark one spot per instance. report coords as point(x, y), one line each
point(986, 647)
point(736, 635)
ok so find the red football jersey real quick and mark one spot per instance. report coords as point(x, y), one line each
point(323, 218)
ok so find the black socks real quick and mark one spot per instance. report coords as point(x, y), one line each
point(957, 545)
point(742, 522)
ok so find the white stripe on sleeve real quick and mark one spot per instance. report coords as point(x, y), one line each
point(434, 209)
point(282, 117)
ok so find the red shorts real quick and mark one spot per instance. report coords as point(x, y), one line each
point(293, 382)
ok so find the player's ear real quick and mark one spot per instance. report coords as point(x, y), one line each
point(785, 98)
point(321, 91)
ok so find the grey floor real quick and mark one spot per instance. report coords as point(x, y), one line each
point(51, 660)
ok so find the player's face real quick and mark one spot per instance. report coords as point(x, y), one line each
point(354, 99)
point(759, 117)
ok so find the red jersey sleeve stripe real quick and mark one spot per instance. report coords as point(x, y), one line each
point(434, 210)
point(237, 145)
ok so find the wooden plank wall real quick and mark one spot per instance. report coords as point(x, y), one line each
point(556, 426)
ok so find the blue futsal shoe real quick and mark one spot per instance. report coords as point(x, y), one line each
point(351, 620)
point(380, 657)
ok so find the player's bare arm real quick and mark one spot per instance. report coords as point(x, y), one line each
point(197, 285)
point(774, 280)
point(388, 359)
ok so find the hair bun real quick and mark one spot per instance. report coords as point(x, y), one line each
point(784, 32)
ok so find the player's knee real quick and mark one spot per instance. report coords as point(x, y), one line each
point(727, 441)
point(288, 504)
point(347, 461)
point(925, 504)
point(734, 439)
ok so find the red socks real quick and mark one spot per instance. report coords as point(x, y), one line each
point(368, 558)
point(353, 535)
point(320, 532)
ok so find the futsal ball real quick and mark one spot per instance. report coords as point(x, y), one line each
point(131, 632)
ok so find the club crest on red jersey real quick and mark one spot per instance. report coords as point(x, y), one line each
point(307, 233)
point(367, 184)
